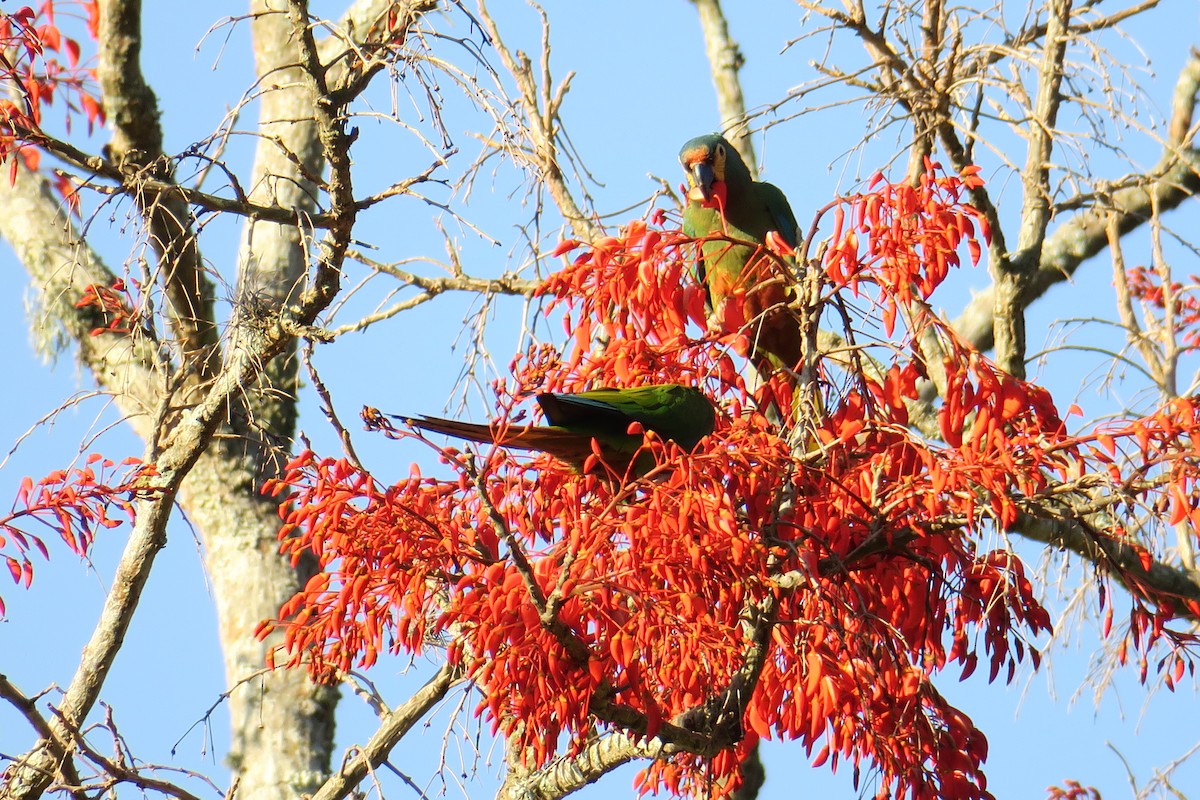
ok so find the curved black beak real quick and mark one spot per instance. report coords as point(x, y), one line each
point(703, 177)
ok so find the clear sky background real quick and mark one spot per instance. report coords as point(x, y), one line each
point(642, 88)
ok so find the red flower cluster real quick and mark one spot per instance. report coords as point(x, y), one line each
point(35, 47)
point(1147, 286)
point(807, 569)
point(116, 305)
point(73, 503)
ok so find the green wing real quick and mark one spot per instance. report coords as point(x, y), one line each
point(779, 212)
point(679, 413)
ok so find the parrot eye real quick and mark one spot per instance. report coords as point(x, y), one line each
point(718, 161)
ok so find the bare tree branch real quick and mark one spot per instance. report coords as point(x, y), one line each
point(1012, 275)
point(62, 267)
point(1173, 180)
point(130, 179)
point(541, 110)
point(137, 145)
point(33, 772)
point(396, 723)
point(725, 61)
point(507, 284)
point(567, 775)
point(28, 709)
point(115, 771)
point(1121, 561)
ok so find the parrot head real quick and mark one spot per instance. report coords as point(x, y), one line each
point(710, 162)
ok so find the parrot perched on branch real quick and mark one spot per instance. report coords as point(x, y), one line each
point(746, 285)
point(679, 413)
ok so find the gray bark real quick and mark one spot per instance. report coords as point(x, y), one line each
point(282, 724)
point(235, 437)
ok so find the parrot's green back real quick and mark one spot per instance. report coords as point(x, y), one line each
point(679, 413)
point(752, 209)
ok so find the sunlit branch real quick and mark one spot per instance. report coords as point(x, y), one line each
point(142, 181)
point(1013, 275)
point(34, 771)
point(430, 287)
point(570, 774)
point(136, 146)
point(330, 115)
point(115, 772)
point(29, 710)
point(396, 724)
point(1133, 330)
point(541, 109)
point(1174, 179)
point(1121, 560)
point(725, 61)
point(1016, 43)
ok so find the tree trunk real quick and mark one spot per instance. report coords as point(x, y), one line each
point(282, 723)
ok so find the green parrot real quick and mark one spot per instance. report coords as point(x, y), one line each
point(724, 200)
point(679, 413)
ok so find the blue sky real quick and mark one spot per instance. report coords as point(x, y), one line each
point(641, 89)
